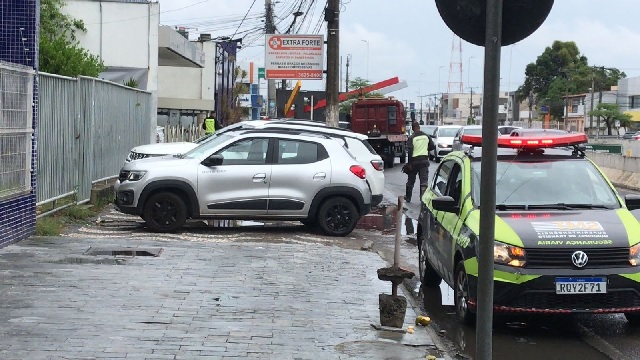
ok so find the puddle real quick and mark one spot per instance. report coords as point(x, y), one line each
point(385, 350)
point(131, 252)
point(88, 260)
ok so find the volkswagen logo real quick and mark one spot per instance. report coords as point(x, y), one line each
point(579, 259)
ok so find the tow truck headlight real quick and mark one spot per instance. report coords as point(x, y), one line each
point(634, 255)
point(136, 175)
point(508, 255)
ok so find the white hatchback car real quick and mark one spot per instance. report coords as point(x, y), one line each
point(443, 140)
point(355, 142)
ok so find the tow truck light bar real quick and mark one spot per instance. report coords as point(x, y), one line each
point(530, 142)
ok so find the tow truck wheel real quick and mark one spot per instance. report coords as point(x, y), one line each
point(461, 296)
point(428, 275)
point(403, 158)
point(388, 161)
point(633, 318)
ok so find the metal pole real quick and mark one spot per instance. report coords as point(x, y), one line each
point(332, 14)
point(396, 254)
point(591, 113)
point(312, 104)
point(270, 28)
point(493, 42)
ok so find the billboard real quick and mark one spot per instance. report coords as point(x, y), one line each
point(294, 57)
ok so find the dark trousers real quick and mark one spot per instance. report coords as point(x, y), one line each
point(420, 169)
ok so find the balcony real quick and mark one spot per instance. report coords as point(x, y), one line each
point(176, 50)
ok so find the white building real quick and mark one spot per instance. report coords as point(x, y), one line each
point(124, 34)
point(186, 77)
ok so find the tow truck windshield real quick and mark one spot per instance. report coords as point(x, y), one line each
point(555, 184)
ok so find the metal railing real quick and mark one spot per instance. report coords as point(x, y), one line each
point(86, 128)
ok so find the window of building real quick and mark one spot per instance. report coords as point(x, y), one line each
point(16, 129)
point(634, 102)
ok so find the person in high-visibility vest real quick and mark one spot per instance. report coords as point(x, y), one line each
point(210, 124)
point(418, 147)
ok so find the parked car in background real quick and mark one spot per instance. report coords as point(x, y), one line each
point(465, 130)
point(631, 135)
point(428, 129)
point(507, 129)
point(443, 140)
point(249, 174)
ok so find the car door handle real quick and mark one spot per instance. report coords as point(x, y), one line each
point(260, 178)
point(319, 176)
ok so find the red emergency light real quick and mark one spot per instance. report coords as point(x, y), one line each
point(530, 142)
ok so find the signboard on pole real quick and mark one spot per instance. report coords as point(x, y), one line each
point(294, 57)
point(260, 73)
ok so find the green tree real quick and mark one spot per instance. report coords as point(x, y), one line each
point(357, 84)
point(610, 113)
point(60, 52)
point(232, 112)
point(562, 70)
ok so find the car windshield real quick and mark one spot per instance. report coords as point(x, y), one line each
point(447, 132)
point(208, 145)
point(559, 182)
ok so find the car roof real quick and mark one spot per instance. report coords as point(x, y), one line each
point(449, 126)
point(312, 127)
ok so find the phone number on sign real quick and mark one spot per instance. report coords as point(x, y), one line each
point(309, 75)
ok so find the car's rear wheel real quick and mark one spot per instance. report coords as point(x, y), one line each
point(633, 318)
point(338, 216)
point(165, 212)
point(428, 275)
point(461, 296)
point(403, 158)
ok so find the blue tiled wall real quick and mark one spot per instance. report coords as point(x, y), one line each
point(19, 34)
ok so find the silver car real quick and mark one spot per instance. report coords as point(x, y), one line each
point(249, 174)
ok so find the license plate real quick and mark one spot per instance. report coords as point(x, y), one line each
point(581, 285)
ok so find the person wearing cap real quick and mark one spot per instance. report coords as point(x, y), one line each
point(418, 147)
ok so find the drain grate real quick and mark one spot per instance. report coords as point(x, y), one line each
point(124, 251)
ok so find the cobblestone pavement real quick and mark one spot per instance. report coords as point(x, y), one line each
point(224, 295)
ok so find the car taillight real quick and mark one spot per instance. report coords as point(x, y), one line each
point(377, 164)
point(637, 137)
point(358, 171)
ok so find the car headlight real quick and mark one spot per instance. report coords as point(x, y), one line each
point(136, 175)
point(634, 255)
point(508, 255)
point(443, 146)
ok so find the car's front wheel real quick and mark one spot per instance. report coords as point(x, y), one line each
point(461, 296)
point(165, 212)
point(428, 275)
point(338, 216)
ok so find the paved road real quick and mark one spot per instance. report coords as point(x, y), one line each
point(223, 296)
point(582, 337)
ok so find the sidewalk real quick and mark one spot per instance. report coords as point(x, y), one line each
point(195, 300)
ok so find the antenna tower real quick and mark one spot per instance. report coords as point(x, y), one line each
point(455, 66)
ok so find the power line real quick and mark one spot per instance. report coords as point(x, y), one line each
point(243, 19)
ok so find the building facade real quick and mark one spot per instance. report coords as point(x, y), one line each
point(19, 37)
point(124, 34)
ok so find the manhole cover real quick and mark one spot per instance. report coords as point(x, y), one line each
point(124, 251)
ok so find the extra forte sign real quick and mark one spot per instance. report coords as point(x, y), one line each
point(294, 57)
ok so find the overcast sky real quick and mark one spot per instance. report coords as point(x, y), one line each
point(408, 39)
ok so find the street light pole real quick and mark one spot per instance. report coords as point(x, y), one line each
point(367, 42)
point(440, 92)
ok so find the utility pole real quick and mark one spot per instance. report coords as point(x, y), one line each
point(593, 90)
point(270, 28)
point(331, 15)
point(600, 99)
point(346, 83)
point(471, 106)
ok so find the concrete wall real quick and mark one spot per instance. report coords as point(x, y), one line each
point(630, 148)
point(123, 35)
point(622, 171)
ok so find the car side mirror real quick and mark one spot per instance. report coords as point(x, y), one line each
point(632, 201)
point(213, 160)
point(444, 203)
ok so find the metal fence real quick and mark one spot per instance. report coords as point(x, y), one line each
point(86, 128)
point(16, 129)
